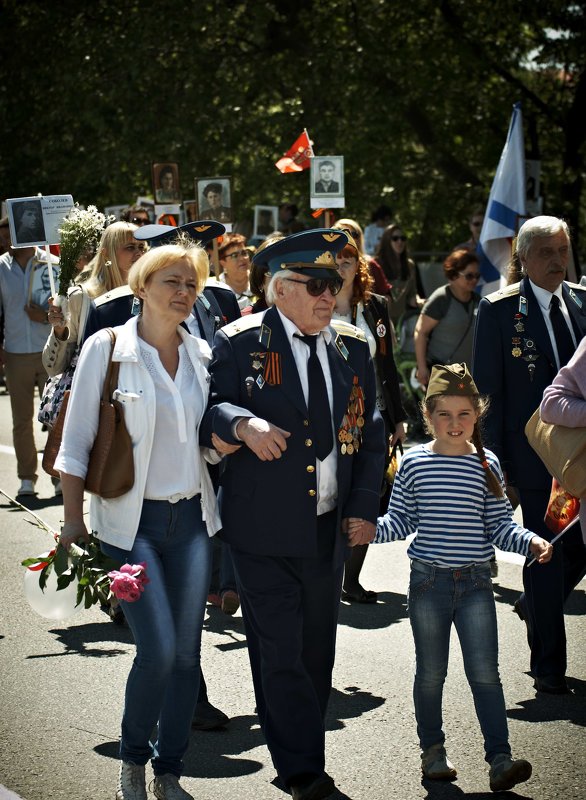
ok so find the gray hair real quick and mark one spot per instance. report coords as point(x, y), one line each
point(276, 278)
point(537, 227)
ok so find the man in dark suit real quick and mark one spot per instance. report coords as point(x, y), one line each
point(312, 455)
point(524, 334)
point(213, 308)
point(326, 183)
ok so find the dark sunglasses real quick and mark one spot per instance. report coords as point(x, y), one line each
point(399, 238)
point(140, 221)
point(470, 276)
point(317, 286)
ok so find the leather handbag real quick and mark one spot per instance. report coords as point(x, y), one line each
point(562, 450)
point(110, 471)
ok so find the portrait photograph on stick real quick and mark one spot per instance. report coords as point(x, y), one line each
point(214, 196)
point(166, 182)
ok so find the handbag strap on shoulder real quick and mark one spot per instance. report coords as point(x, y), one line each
point(111, 379)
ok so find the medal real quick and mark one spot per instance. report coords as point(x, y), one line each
point(516, 352)
point(381, 330)
point(519, 327)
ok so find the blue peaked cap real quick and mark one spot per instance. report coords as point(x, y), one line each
point(310, 253)
point(202, 231)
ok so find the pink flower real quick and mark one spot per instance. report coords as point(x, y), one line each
point(128, 582)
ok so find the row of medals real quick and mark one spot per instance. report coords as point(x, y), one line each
point(350, 433)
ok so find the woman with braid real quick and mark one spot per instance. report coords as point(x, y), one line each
point(450, 493)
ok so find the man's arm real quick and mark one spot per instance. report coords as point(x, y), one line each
point(488, 373)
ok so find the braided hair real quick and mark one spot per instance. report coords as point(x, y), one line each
point(480, 405)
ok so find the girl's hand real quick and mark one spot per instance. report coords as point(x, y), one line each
point(73, 532)
point(541, 549)
point(360, 531)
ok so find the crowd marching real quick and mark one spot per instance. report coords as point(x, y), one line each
point(253, 380)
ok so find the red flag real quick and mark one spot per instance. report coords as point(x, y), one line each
point(296, 159)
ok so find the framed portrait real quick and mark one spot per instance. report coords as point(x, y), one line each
point(35, 221)
point(327, 182)
point(190, 210)
point(214, 198)
point(266, 221)
point(166, 183)
point(115, 211)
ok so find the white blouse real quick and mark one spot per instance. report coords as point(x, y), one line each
point(173, 472)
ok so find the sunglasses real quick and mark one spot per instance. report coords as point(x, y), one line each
point(470, 276)
point(238, 254)
point(399, 238)
point(140, 221)
point(317, 286)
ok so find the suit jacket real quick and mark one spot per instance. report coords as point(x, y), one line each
point(333, 187)
point(115, 308)
point(270, 507)
point(513, 363)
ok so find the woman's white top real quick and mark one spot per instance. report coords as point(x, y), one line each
point(163, 418)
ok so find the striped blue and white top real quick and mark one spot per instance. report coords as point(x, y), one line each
point(445, 501)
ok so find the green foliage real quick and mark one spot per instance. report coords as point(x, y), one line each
point(417, 97)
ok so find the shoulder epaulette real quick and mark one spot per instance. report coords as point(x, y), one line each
point(346, 329)
point(246, 323)
point(502, 294)
point(114, 294)
point(572, 285)
point(214, 283)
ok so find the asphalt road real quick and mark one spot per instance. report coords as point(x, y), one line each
point(62, 684)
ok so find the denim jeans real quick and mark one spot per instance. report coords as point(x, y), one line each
point(166, 622)
point(438, 597)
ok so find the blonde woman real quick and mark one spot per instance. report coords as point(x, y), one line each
point(117, 252)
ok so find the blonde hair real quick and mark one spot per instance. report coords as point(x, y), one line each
point(357, 234)
point(480, 405)
point(160, 257)
point(105, 273)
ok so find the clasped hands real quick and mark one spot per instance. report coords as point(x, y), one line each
point(360, 531)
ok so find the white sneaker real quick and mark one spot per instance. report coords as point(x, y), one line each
point(26, 488)
point(505, 773)
point(436, 765)
point(166, 787)
point(131, 782)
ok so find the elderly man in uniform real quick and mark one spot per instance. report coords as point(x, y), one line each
point(300, 397)
point(524, 334)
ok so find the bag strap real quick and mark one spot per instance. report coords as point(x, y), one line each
point(398, 444)
point(83, 314)
point(111, 379)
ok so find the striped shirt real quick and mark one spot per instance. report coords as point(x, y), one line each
point(445, 501)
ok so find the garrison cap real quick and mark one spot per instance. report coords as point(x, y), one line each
point(311, 253)
point(450, 379)
point(201, 231)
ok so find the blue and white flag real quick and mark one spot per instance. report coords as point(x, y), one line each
point(506, 209)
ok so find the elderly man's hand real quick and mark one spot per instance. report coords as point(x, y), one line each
point(36, 313)
point(360, 531)
point(267, 441)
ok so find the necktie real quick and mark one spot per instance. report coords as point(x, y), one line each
point(318, 404)
point(563, 338)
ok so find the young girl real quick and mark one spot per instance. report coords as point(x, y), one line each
point(449, 492)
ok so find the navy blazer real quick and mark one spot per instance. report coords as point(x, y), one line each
point(513, 363)
point(115, 308)
point(270, 507)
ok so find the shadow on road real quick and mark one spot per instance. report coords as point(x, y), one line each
point(390, 608)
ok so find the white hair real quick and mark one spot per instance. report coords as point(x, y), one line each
point(276, 278)
point(537, 227)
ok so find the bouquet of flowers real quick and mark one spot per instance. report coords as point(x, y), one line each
point(80, 230)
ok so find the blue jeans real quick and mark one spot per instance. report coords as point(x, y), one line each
point(438, 597)
point(166, 622)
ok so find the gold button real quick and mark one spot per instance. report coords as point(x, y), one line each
point(306, 423)
point(312, 493)
point(310, 468)
point(308, 442)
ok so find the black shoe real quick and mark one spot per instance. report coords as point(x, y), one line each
point(208, 718)
point(520, 609)
point(316, 788)
point(551, 684)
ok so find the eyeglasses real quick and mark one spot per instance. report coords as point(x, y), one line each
point(140, 221)
point(238, 254)
point(470, 276)
point(317, 286)
point(399, 238)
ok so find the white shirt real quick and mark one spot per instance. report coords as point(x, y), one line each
point(327, 482)
point(543, 297)
point(19, 288)
point(179, 407)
